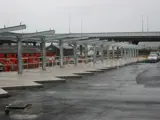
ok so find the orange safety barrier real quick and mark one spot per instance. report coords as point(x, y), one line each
point(10, 60)
point(14, 55)
point(1, 55)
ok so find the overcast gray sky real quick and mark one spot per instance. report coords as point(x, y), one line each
point(97, 15)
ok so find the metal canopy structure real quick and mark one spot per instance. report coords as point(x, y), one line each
point(49, 36)
point(6, 34)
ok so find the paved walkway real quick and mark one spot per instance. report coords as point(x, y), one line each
point(32, 78)
point(111, 95)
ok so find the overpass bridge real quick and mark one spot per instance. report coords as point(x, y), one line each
point(132, 37)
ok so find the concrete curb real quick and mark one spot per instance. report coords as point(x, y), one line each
point(85, 74)
point(51, 81)
point(22, 87)
point(70, 77)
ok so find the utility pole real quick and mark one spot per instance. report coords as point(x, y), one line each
point(142, 24)
point(81, 28)
point(147, 25)
point(69, 24)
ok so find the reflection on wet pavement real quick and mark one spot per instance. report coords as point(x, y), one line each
point(113, 95)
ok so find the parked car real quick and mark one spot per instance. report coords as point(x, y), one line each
point(153, 58)
point(158, 56)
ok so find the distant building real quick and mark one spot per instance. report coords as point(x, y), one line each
point(54, 48)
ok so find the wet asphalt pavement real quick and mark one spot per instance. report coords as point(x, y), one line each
point(128, 93)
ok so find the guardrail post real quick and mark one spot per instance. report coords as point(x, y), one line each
point(43, 54)
point(19, 51)
point(61, 53)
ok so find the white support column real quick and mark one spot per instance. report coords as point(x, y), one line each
point(61, 53)
point(130, 53)
point(86, 53)
point(125, 53)
point(113, 56)
point(113, 52)
point(130, 50)
point(102, 55)
point(43, 54)
point(19, 56)
point(108, 56)
point(75, 54)
point(118, 56)
point(121, 52)
point(95, 53)
point(133, 52)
